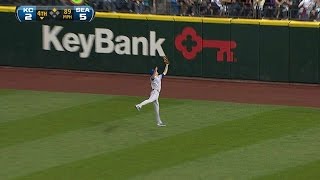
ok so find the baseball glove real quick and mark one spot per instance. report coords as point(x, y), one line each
point(166, 60)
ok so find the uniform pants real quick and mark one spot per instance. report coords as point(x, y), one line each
point(154, 96)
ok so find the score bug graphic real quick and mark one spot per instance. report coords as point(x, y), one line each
point(26, 13)
point(55, 13)
point(82, 13)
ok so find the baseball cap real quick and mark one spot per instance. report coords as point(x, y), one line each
point(151, 71)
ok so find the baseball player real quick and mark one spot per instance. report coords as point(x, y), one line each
point(155, 80)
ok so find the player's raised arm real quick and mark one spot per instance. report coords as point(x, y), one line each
point(166, 61)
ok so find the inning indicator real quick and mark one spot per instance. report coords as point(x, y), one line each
point(54, 13)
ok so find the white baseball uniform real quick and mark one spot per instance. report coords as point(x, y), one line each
point(154, 95)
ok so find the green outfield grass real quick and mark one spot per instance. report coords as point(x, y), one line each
point(45, 135)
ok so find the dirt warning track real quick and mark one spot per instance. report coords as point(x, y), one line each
point(173, 87)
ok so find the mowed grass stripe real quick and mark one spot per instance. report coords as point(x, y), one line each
point(67, 119)
point(180, 148)
point(19, 105)
point(247, 162)
point(307, 171)
point(181, 116)
point(4, 92)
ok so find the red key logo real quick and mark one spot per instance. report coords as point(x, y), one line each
point(197, 43)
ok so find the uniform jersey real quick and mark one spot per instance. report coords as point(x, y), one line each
point(156, 82)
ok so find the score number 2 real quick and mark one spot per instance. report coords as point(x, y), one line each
point(28, 17)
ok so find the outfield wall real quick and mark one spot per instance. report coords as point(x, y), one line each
point(284, 51)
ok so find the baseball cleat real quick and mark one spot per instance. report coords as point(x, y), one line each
point(138, 107)
point(161, 124)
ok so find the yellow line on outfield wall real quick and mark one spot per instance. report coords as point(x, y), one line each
point(245, 21)
point(263, 22)
point(266, 22)
point(7, 8)
point(304, 24)
point(216, 20)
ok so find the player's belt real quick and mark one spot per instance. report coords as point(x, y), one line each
point(155, 90)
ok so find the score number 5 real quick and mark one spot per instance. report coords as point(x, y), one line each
point(83, 16)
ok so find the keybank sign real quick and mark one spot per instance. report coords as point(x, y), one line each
point(103, 40)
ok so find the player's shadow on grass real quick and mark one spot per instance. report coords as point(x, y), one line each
point(110, 128)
